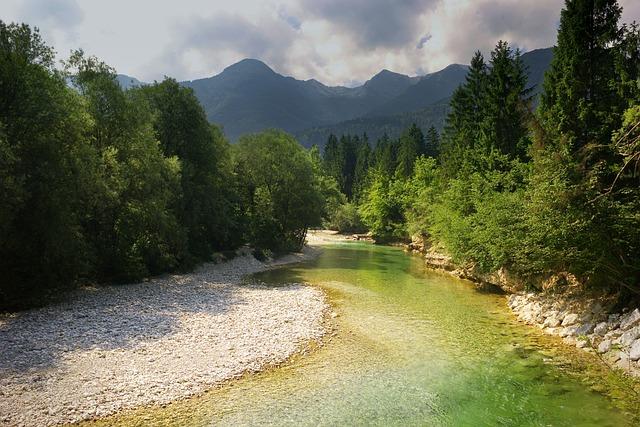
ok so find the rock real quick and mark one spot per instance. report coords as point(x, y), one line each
point(584, 329)
point(570, 319)
point(601, 329)
point(580, 343)
point(569, 331)
point(604, 346)
point(630, 320)
point(630, 336)
point(552, 322)
point(634, 351)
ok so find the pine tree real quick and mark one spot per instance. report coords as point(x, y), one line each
point(331, 158)
point(504, 122)
point(432, 143)
point(579, 101)
point(411, 146)
point(362, 165)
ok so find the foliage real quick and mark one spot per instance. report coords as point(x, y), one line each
point(282, 194)
point(345, 219)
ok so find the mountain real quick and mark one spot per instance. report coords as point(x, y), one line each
point(375, 127)
point(427, 91)
point(128, 82)
point(249, 97)
point(422, 103)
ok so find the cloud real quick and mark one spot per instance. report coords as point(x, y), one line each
point(214, 42)
point(334, 41)
point(423, 40)
point(373, 23)
point(293, 22)
point(53, 13)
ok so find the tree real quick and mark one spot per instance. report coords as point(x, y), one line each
point(506, 104)
point(432, 143)
point(207, 209)
point(462, 129)
point(410, 147)
point(579, 100)
point(132, 223)
point(282, 197)
point(363, 159)
point(45, 171)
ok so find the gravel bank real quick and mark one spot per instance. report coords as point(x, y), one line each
point(119, 347)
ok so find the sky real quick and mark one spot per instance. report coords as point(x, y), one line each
point(338, 42)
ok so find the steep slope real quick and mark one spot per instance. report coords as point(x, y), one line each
point(430, 89)
point(249, 96)
point(375, 127)
point(401, 112)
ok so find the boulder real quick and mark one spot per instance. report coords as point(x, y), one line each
point(604, 346)
point(634, 351)
point(630, 336)
point(569, 331)
point(584, 329)
point(601, 329)
point(552, 322)
point(630, 320)
point(570, 319)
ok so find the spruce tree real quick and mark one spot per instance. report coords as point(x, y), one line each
point(579, 101)
point(506, 104)
point(432, 143)
point(411, 146)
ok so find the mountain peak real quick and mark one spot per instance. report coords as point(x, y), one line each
point(249, 66)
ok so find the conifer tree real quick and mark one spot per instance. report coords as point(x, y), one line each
point(432, 143)
point(579, 101)
point(411, 146)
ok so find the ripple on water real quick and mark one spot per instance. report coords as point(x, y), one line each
point(412, 348)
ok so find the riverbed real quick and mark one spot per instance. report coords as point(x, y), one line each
point(408, 347)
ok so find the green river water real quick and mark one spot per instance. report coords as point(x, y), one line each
point(408, 347)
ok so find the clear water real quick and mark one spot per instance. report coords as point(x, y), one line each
point(410, 348)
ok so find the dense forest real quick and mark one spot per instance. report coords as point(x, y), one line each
point(101, 184)
point(556, 189)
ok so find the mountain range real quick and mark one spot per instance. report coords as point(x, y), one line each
point(249, 96)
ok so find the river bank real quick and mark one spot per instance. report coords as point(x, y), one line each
point(118, 347)
point(589, 322)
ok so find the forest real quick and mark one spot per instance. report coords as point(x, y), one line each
point(534, 190)
point(109, 186)
point(101, 184)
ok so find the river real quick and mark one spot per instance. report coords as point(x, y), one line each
point(408, 347)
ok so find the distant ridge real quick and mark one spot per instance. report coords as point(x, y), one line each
point(249, 96)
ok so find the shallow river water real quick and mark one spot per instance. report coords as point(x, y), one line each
point(409, 347)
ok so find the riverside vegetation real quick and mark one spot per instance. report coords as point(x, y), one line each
point(101, 184)
point(535, 191)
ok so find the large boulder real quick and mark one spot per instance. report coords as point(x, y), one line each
point(630, 320)
point(570, 319)
point(634, 351)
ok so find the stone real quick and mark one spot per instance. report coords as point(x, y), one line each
point(569, 331)
point(630, 320)
point(584, 329)
point(570, 319)
point(601, 329)
point(634, 351)
point(582, 343)
point(604, 346)
point(630, 336)
point(552, 322)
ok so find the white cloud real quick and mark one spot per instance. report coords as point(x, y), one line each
point(334, 41)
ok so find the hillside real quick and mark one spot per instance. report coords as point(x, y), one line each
point(249, 96)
